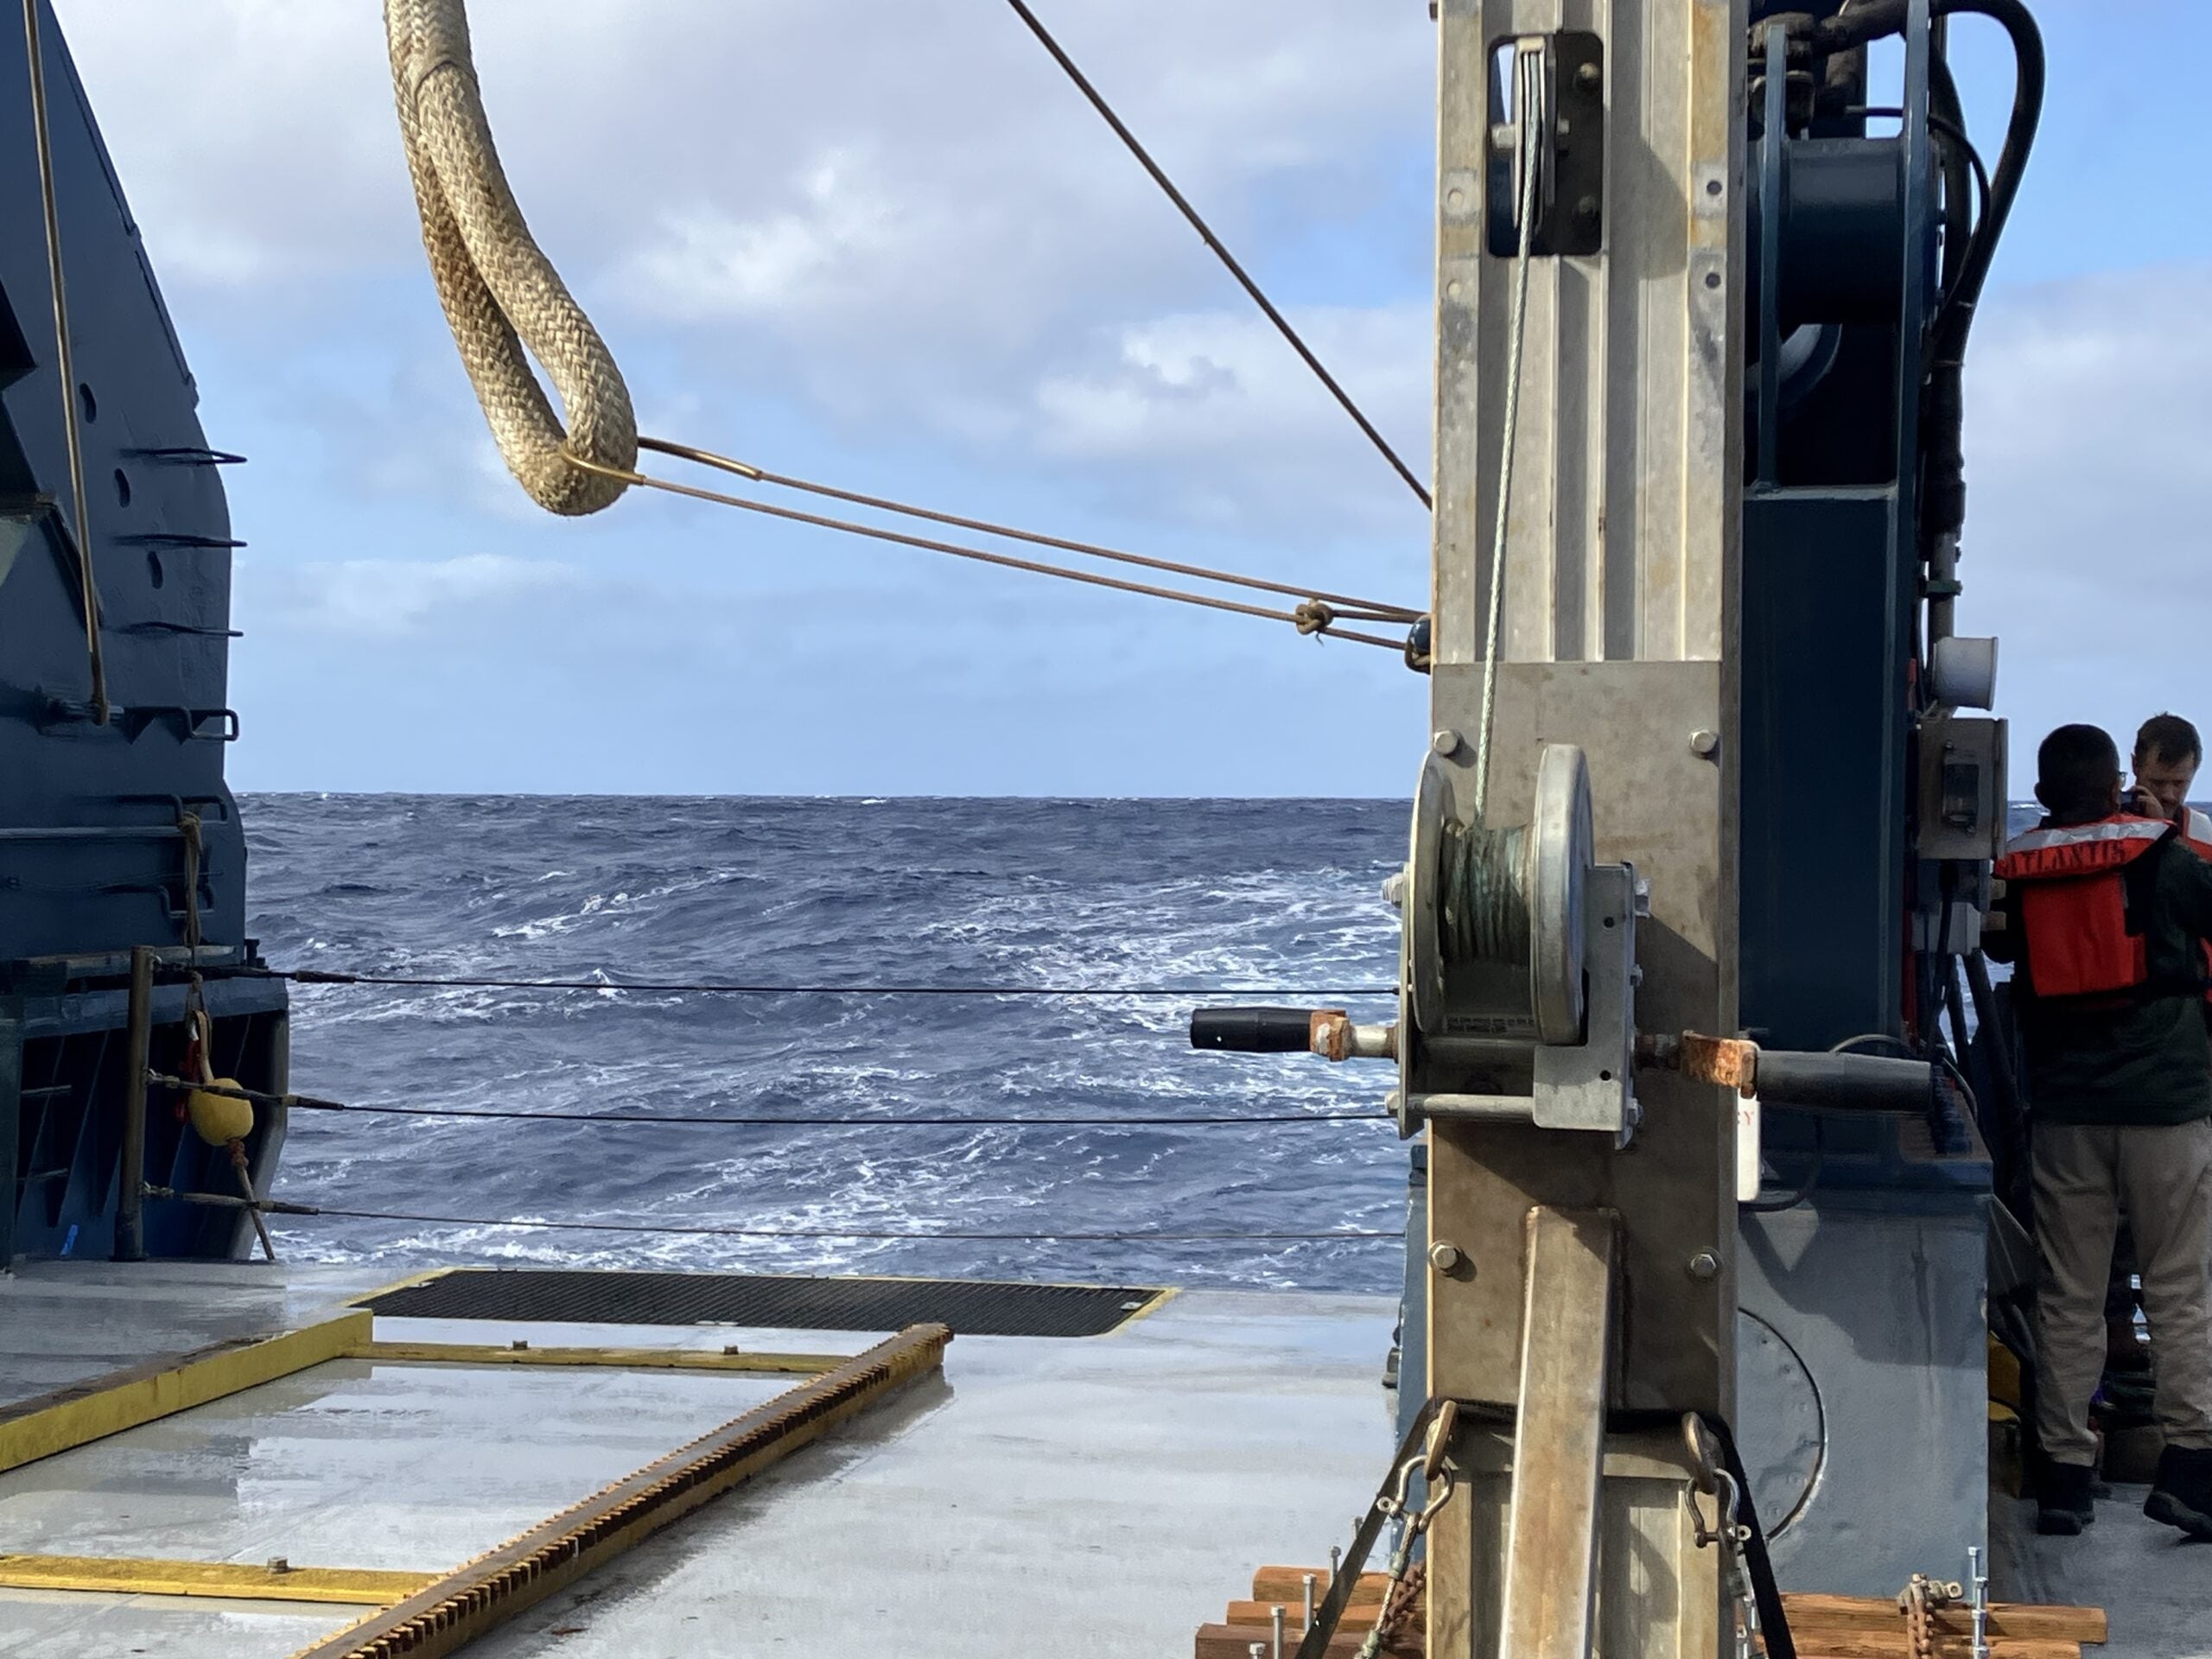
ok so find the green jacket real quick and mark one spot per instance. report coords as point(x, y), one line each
point(2146, 1062)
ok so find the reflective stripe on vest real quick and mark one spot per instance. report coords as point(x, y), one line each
point(2069, 888)
point(2196, 835)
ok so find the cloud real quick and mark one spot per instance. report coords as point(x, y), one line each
point(387, 599)
point(899, 220)
point(2086, 550)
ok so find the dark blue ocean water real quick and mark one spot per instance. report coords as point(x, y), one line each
point(1074, 894)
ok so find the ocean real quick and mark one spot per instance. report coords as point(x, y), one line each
point(1074, 895)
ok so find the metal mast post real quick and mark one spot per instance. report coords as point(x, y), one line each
point(1586, 1278)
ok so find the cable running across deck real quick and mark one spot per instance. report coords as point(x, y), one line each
point(277, 1207)
point(315, 1103)
point(717, 988)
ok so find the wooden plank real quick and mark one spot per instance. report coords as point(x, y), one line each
point(1359, 1615)
point(2005, 1617)
point(1249, 1623)
point(1235, 1642)
point(230, 1580)
point(106, 1405)
point(1286, 1585)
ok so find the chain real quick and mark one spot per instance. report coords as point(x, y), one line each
point(1398, 1609)
point(1918, 1601)
point(1401, 1580)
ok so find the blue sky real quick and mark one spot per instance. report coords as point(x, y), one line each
point(889, 247)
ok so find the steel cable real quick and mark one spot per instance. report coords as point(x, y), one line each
point(320, 976)
point(506, 305)
point(277, 1207)
point(1208, 1119)
point(1352, 609)
point(1304, 620)
point(1527, 108)
point(65, 369)
point(1082, 83)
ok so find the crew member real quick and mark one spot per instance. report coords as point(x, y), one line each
point(2106, 916)
point(2168, 752)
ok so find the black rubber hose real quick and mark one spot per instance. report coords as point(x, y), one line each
point(1947, 116)
point(1845, 1082)
point(1943, 491)
point(1253, 1031)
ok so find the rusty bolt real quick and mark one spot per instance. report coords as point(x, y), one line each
point(1705, 1265)
point(1444, 1256)
point(1705, 744)
point(1589, 77)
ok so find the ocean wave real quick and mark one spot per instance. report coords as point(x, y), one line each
point(991, 893)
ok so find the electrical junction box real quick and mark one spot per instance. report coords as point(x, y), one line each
point(1961, 803)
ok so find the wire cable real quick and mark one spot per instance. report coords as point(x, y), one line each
point(1220, 251)
point(1306, 619)
point(316, 1104)
point(322, 977)
point(1362, 610)
point(65, 368)
point(279, 1207)
point(1527, 108)
point(1161, 1121)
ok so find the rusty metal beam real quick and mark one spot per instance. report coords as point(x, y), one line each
point(456, 1609)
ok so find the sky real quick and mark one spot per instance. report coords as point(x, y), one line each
point(890, 247)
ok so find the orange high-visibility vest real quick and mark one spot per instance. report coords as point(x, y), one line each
point(2070, 890)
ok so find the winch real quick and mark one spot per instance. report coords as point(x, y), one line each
point(1516, 985)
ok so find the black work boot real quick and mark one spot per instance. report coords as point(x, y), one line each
point(2063, 1501)
point(2182, 1495)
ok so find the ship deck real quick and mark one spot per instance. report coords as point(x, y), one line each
point(1097, 1495)
point(1091, 1495)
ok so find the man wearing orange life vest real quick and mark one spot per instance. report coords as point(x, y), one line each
point(2106, 913)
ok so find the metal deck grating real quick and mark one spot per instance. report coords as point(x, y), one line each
point(972, 1307)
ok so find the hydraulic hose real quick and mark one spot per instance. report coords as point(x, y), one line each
point(1943, 487)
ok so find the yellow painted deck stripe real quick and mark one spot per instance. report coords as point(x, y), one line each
point(232, 1580)
point(652, 1359)
point(102, 1406)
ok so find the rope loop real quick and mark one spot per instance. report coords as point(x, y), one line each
point(503, 300)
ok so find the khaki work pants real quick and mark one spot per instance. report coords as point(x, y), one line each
point(2085, 1175)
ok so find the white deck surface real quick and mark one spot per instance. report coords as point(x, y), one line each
point(1083, 1498)
point(1091, 1497)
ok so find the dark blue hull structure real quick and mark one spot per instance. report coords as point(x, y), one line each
point(116, 832)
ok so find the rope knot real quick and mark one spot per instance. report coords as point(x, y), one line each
point(1314, 617)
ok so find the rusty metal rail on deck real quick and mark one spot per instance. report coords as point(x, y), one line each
point(464, 1604)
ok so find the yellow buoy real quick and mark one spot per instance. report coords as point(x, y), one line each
point(220, 1119)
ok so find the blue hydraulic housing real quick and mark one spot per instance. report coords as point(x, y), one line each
point(95, 818)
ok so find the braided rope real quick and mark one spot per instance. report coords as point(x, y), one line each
point(503, 300)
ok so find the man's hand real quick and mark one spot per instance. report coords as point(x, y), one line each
point(2142, 803)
